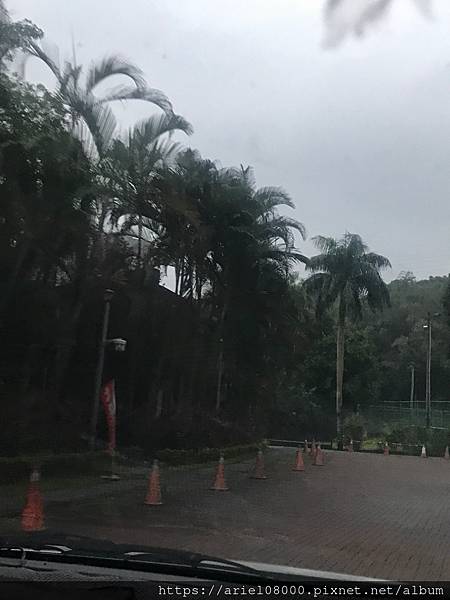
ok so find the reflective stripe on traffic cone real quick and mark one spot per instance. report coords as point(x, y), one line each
point(299, 464)
point(318, 457)
point(219, 484)
point(153, 497)
point(259, 472)
point(33, 513)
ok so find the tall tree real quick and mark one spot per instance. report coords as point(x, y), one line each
point(92, 119)
point(132, 170)
point(252, 250)
point(346, 275)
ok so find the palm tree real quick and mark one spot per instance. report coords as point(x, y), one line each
point(346, 274)
point(230, 247)
point(91, 116)
point(132, 170)
point(250, 239)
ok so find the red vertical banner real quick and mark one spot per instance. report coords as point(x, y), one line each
point(108, 397)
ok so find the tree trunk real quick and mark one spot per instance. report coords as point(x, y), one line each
point(177, 400)
point(159, 403)
point(186, 402)
point(219, 379)
point(21, 257)
point(139, 251)
point(177, 278)
point(340, 371)
point(66, 337)
point(220, 360)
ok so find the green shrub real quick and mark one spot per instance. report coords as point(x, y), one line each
point(201, 455)
point(411, 439)
point(410, 435)
point(184, 432)
point(437, 441)
point(354, 428)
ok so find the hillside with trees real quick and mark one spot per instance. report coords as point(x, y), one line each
point(380, 350)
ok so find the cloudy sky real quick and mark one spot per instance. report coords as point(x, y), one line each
point(348, 109)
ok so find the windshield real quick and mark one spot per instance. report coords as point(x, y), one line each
point(224, 293)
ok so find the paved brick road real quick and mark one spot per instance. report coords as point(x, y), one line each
point(386, 517)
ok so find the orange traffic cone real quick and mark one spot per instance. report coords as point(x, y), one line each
point(153, 497)
point(259, 472)
point(446, 453)
point(299, 464)
point(423, 454)
point(306, 449)
point(313, 449)
point(350, 446)
point(318, 457)
point(220, 484)
point(386, 449)
point(33, 513)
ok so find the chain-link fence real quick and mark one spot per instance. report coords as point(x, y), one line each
point(402, 414)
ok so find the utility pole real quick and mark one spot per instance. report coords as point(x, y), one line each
point(411, 397)
point(428, 373)
point(99, 371)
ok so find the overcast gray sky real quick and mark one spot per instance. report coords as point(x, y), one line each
point(355, 128)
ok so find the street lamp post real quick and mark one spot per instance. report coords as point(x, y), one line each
point(411, 395)
point(428, 371)
point(108, 295)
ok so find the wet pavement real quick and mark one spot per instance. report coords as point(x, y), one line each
point(363, 514)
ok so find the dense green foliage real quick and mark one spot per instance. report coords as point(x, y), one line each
point(379, 352)
point(84, 210)
point(237, 350)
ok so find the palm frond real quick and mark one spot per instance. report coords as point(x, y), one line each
point(319, 287)
point(355, 304)
point(377, 260)
point(37, 51)
point(109, 66)
point(324, 244)
point(4, 16)
point(247, 175)
point(352, 273)
point(52, 51)
point(300, 258)
point(373, 289)
point(271, 197)
point(67, 77)
point(149, 130)
point(100, 123)
point(320, 262)
point(354, 244)
point(124, 93)
point(285, 255)
point(288, 223)
point(166, 151)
